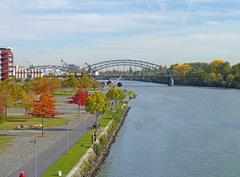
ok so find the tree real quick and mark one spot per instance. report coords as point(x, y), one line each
point(38, 85)
point(70, 82)
point(197, 77)
point(181, 69)
point(45, 106)
point(215, 80)
point(17, 92)
point(200, 66)
point(225, 69)
point(236, 69)
point(115, 94)
point(28, 102)
point(230, 79)
point(215, 65)
point(85, 82)
point(54, 84)
point(97, 103)
point(5, 96)
point(80, 98)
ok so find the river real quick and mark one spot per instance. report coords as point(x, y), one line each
point(178, 132)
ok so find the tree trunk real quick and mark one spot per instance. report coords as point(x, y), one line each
point(26, 112)
point(78, 110)
point(5, 114)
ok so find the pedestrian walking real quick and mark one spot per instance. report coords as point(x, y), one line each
point(22, 174)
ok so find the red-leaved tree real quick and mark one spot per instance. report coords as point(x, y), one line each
point(45, 106)
point(80, 98)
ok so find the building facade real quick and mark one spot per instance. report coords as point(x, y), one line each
point(6, 63)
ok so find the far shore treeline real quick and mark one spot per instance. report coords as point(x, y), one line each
point(218, 73)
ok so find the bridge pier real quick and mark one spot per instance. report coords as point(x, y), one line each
point(170, 81)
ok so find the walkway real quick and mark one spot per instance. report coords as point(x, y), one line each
point(49, 156)
point(20, 155)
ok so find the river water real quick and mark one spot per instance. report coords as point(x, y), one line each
point(178, 132)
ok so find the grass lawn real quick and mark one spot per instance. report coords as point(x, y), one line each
point(11, 122)
point(111, 115)
point(66, 162)
point(5, 141)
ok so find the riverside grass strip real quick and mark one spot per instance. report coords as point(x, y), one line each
point(69, 160)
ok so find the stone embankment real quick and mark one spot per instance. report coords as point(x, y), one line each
point(91, 162)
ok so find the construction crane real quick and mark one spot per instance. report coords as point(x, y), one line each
point(64, 64)
point(70, 68)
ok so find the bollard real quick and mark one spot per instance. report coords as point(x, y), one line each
point(59, 173)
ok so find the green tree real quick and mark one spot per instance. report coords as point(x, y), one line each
point(97, 103)
point(70, 82)
point(115, 94)
point(230, 79)
point(215, 80)
point(85, 82)
point(225, 69)
point(197, 77)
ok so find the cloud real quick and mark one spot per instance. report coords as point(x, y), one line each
point(46, 4)
point(137, 28)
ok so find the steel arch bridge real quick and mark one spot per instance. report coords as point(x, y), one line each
point(131, 63)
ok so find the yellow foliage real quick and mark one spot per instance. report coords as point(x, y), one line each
point(215, 64)
point(182, 69)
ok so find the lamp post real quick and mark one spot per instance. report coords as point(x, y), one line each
point(85, 123)
point(35, 156)
point(67, 137)
point(42, 126)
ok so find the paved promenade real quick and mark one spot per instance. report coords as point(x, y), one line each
point(20, 156)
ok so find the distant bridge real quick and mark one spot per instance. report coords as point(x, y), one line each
point(149, 71)
point(130, 63)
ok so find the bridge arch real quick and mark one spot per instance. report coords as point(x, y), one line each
point(131, 63)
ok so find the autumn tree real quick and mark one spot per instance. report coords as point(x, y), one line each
point(85, 82)
point(37, 85)
point(97, 103)
point(215, 65)
point(80, 98)
point(181, 69)
point(28, 102)
point(17, 92)
point(70, 82)
point(45, 106)
point(7, 95)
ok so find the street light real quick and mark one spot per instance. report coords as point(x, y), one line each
point(42, 125)
point(35, 156)
point(85, 123)
point(67, 137)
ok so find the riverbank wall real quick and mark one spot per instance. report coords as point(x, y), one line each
point(95, 156)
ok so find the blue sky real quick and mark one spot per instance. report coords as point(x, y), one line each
point(159, 31)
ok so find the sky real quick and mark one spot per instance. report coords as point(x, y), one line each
point(160, 31)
